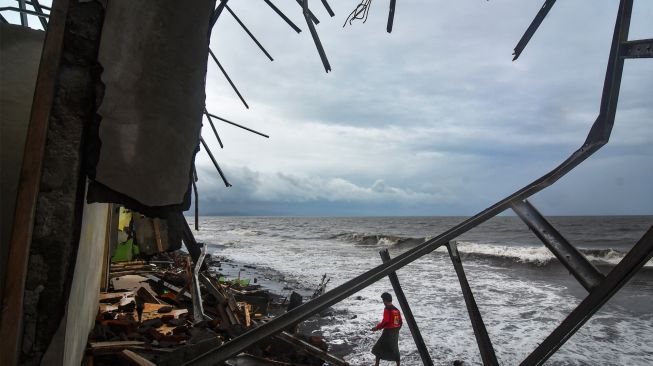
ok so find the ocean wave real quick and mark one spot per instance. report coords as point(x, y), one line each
point(539, 256)
point(246, 232)
point(377, 239)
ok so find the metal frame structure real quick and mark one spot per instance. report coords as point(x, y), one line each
point(601, 288)
point(39, 11)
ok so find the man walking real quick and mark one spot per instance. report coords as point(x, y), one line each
point(387, 347)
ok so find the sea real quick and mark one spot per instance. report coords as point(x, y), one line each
point(522, 291)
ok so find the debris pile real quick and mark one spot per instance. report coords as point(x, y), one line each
point(167, 311)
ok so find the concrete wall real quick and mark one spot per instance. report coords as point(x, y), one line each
point(20, 52)
point(60, 202)
point(154, 55)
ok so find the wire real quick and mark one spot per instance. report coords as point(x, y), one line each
point(361, 12)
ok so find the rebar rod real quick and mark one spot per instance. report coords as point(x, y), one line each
point(248, 32)
point(237, 125)
point(233, 86)
point(206, 113)
point(215, 163)
point(283, 16)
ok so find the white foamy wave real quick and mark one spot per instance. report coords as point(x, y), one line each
point(377, 239)
point(246, 232)
point(539, 256)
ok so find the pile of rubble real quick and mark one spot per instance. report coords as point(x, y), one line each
point(167, 311)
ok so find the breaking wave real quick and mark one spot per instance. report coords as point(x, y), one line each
point(539, 256)
point(246, 232)
point(378, 239)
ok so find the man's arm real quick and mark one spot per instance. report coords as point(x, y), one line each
point(386, 320)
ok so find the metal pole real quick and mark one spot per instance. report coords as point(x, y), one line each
point(615, 280)
point(408, 314)
point(215, 163)
point(391, 16)
point(316, 38)
point(237, 125)
point(248, 32)
point(584, 271)
point(523, 41)
point(480, 332)
point(23, 15)
point(216, 15)
point(283, 16)
point(206, 113)
point(198, 307)
point(233, 86)
point(310, 13)
point(328, 8)
point(197, 209)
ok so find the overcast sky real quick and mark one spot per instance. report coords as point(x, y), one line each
point(433, 119)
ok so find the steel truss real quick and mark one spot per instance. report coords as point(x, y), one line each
point(600, 287)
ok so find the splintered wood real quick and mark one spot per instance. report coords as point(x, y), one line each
point(146, 318)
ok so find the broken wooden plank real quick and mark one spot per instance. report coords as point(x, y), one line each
point(157, 235)
point(136, 359)
point(213, 290)
point(115, 344)
point(130, 272)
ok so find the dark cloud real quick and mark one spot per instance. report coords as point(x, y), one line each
point(434, 118)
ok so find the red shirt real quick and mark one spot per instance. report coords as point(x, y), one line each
point(391, 318)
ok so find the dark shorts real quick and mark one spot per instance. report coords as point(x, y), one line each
point(387, 347)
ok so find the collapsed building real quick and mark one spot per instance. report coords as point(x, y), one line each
point(84, 107)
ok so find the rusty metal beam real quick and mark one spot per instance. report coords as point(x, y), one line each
point(216, 14)
point(584, 271)
point(23, 14)
point(544, 10)
point(316, 38)
point(224, 72)
point(237, 125)
point(215, 162)
point(641, 48)
point(242, 25)
point(636, 258)
point(328, 8)
point(391, 16)
point(283, 16)
point(480, 332)
point(310, 13)
point(596, 138)
point(208, 116)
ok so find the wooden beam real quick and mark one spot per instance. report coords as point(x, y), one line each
point(115, 344)
point(28, 189)
point(108, 239)
point(157, 234)
point(136, 359)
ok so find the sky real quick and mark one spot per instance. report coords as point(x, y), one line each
point(432, 119)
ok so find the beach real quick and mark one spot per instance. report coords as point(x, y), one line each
point(521, 289)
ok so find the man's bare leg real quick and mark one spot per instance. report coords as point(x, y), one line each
point(377, 361)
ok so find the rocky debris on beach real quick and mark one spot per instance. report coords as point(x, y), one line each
point(148, 317)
